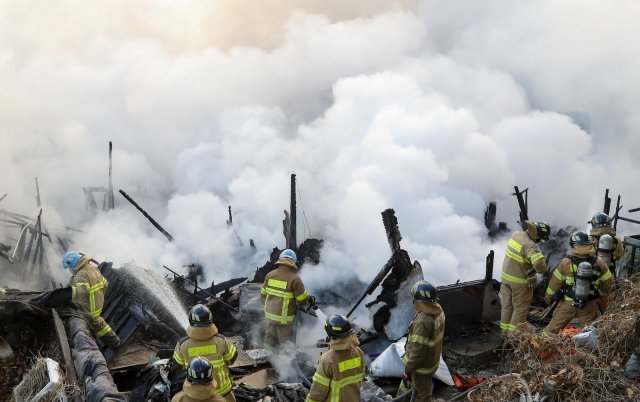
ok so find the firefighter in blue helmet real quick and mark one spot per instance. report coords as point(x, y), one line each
point(88, 288)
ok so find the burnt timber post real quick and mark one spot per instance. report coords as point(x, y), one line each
point(110, 199)
point(488, 276)
point(38, 203)
point(607, 203)
point(292, 240)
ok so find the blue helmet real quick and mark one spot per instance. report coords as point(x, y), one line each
point(600, 220)
point(290, 254)
point(70, 259)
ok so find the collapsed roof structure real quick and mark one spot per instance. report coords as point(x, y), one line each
point(47, 350)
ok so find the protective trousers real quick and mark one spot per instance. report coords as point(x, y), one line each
point(515, 306)
point(277, 335)
point(230, 397)
point(566, 312)
point(422, 384)
point(105, 333)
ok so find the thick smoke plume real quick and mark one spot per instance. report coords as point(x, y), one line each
point(428, 107)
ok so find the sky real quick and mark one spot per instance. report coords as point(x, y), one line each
point(433, 108)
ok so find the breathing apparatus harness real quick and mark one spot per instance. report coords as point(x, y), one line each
point(585, 274)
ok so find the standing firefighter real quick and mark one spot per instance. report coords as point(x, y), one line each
point(581, 280)
point(88, 287)
point(521, 262)
point(608, 246)
point(281, 293)
point(424, 341)
point(200, 386)
point(341, 370)
point(203, 340)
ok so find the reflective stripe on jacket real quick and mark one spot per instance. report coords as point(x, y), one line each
point(424, 340)
point(340, 373)
point(522, 260)
point(565, 274)
point(206, 342)
point(281, 293)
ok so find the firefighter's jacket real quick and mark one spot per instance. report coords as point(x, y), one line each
point(282, 292)
point(197, 393)
point(563, 277)
point(340, 372)
point(597, 232)
point(522, 260)
point(208, 343)
point(88, 287)
point(424, 339)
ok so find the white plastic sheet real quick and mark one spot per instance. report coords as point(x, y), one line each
point(389, 364)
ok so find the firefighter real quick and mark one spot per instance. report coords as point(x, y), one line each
point(582, 280)
point(600, 226)
point(522, 261)
point(281, 293)
point(200, 386)
point(204, 340)
point(424, 342)
point(340, 370)
point(88, 287)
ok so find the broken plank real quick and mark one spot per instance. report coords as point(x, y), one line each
point(64, 345)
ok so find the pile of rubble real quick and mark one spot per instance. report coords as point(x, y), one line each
point(587, 366)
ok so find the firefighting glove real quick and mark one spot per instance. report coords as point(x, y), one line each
point(558, 296)
point(406, 379)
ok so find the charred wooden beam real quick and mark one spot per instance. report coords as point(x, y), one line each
point(293, 241)
point(72, 377)
point(523, 198)
point(110, 198)
point(607, 202)
point(146, 215)
point(489, 266)
point(38, 203)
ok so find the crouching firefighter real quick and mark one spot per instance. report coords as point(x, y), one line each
point(88, 288)
point(340, 370)
point(281, 293)
point(424, 342)
point(579, 282)
point(200, 385)
point(522, 261)
point(203, 340)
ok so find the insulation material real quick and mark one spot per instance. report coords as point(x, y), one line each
point(250, 299)
point(388, 364)
point(42, 383)
point(403, 312)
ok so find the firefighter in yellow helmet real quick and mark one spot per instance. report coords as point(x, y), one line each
point(522, 261)
point(200, 385)
point(581, 280)
point(424, 342)
point(89, 287)
point(340, 370)
point(281, 293)
point(204, 340)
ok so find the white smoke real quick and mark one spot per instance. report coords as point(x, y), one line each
point(428, 107)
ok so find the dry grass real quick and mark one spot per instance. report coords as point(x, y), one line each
point(36, 378)
point(576, 373)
